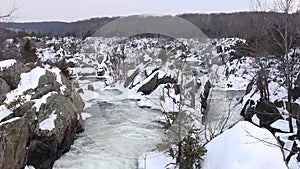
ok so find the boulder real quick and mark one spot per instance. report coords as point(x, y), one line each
point(20, 111)
point(91, 88)
point(13, 140)
point(166, 79)
point(12, 74)
point(152, 84)
point(47, 146)
point(296, 93)
point(101, 72)
point(23, 142)
point(4, 88)
point(295, 107)
point(80, 90)
point(47, 83)
point(149, 87)
point(248, 110)
point(219, 49)
point(267, 112)
point(71, 64)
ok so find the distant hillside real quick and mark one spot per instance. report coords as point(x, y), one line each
point(242, 24)
point(79, 28)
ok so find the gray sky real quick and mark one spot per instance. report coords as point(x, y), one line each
point(72, 10)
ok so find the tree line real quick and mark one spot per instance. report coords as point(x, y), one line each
point(221, 25)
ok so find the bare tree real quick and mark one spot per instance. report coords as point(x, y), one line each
point(8, 15)
point(214, 126)
point(259, 5)
point(285, 39)
point(280, 45)
point(286, 6)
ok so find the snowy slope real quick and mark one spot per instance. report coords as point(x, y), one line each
point(244, 146)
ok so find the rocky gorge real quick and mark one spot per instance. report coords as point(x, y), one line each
point(42, 101)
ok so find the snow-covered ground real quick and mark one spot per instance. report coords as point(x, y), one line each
point(244, 146)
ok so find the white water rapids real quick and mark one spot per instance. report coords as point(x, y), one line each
point(116, 135)
point(119, 131)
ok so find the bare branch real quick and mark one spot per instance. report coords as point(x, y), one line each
point(286, 6)
point(259, 5)
point(9, 14)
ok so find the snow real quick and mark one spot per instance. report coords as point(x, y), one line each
point(288, 145)
point(4, 112)
point(243, 151)
point(246, 147)
point(42, 100)
point(252, 95)
point(89, 95)
point(49, 123)
point(297, 101)
point(161, 99)
point(10, 120)
point(28, 81)
point(57, 71)
point(154, 160)
point(82, 71)
point(278, 92)
point(85, 116)
point(282, 125)
point(255, 120)
point(47, 54)
point(293, 163)
point(7, 63)
point(29, 167)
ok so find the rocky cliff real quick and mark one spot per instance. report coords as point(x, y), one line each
point(40, 115)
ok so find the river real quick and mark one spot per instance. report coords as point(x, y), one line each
point(116, 135)
point(119, 131)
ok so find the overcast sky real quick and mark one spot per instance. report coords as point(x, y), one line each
point(72, 10)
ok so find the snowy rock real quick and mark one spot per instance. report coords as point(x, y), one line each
point(47, 83)
point(91, 88)
point(7, 63)
point(12, 74)
point(49, 123)
point(246, 147)
point(59, 119)
point(51, 109)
